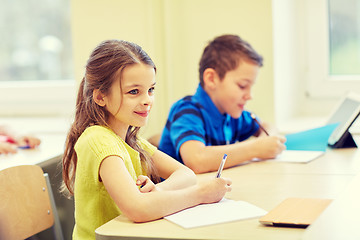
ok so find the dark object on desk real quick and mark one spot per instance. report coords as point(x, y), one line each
point(295, 212)
point(346, 141)
point(345, 115)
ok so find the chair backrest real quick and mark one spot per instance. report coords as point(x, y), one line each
point(25, 204)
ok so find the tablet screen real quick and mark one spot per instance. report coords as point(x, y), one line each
point(345, 115)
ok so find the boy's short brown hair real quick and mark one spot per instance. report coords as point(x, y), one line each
point(224, 53)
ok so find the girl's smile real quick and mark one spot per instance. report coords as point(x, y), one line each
point(143, 113)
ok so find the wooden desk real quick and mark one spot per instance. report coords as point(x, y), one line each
point(50, 150)
point(334, 161)
point(341, 219)
point(264, 184)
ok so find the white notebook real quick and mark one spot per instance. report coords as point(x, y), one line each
point(208, 214)
point(298, 156)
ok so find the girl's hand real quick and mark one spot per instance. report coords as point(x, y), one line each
point(146, 185)
point(213, 190)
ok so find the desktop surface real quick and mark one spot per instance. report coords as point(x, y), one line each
point(50, 149)
point(264, 184)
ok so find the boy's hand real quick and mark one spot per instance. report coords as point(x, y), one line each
point(270, 146)
point(146, 185)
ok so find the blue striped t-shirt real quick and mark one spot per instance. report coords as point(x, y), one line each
point(197, 118)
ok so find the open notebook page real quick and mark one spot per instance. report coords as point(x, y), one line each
point(298, 156)
point(208, 214)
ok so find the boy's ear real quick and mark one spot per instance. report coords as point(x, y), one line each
point(99, 97)
point(210, 77)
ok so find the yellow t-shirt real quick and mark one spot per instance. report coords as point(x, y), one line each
point(93, 204)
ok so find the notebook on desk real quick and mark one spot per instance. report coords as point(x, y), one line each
point(295, 212)
point(222, 212)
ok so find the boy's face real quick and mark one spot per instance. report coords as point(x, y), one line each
point(234, 90)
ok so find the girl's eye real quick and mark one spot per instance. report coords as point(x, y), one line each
point(242, 87)
point(134, 91)
point(152, 90)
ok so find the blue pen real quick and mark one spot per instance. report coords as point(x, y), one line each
point(221, 166)
point(24, 147)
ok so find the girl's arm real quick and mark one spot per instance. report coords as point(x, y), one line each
point(141, 207)
point(177, 175)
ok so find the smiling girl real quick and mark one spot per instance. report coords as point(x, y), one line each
point(108, 168)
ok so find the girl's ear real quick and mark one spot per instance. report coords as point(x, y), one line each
point(210, 78)
point(99, 97)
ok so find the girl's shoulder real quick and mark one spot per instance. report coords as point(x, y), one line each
point(97, 129)
point(97, 135)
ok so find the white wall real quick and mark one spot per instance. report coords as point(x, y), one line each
point(295, 108)
point(174, 34)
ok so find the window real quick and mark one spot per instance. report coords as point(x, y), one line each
point(344, 35)
point(334, 47)
point(36, 68)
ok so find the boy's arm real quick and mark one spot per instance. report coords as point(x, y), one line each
point(201, 158)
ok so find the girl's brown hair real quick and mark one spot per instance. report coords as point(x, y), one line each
point(103, 67)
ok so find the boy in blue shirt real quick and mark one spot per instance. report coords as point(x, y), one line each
point(202, 127)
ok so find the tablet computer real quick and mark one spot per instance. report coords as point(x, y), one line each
point(344, 114)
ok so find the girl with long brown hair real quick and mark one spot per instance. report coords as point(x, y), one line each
point(108, 168)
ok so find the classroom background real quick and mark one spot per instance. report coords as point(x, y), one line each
point(293, 91)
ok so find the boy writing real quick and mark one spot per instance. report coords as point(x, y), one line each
point(202, 127)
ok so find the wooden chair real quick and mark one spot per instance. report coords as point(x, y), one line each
point(27, 205)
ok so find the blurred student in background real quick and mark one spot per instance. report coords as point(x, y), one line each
point(10, 141)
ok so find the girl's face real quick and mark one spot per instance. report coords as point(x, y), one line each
point(130, 103)
point(234, 90)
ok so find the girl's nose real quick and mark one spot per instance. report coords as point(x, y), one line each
point(147, 100)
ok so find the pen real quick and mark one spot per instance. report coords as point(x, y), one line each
point(221, 166)
point(24, 147)
point(262, 128)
